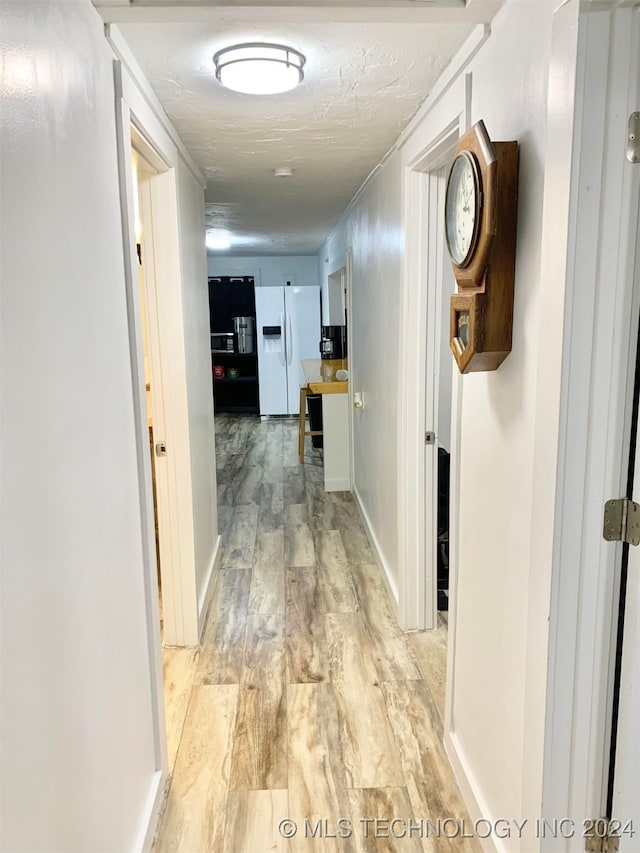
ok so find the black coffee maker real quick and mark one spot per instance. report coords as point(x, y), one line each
point(334, 342)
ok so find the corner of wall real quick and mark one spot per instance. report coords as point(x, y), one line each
point(204, 599)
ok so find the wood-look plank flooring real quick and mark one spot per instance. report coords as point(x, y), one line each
point(306, 701)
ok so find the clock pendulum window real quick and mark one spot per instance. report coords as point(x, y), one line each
point(480, 228)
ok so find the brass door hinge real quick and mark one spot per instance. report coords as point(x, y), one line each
point(622, 521)
point(598, 838)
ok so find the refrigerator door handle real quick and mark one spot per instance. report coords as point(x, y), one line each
point(283, 351)
point(289, 340)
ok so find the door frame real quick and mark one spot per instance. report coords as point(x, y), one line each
point(150, 581)
point(601, 303)
point(180, 604)
point(173, 472)
point(417, 605)
point(348, 269)
point(160, 254)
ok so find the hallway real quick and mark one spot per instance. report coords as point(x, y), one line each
point(306, 700)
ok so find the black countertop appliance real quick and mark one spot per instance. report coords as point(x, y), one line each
point(334, 342)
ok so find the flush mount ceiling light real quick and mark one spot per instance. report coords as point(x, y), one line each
point(259, 69)
point(218, 240)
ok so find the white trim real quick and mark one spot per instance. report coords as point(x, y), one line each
point(326, 11)
point(392, 588)
point(337, 485)
point(171, 413)
point(125, 179)
point(209, 582)
point(417, 606)
point(437, 284)
point(470, 790)
point(348, 266)
point(159, 208)
point(451, 73)
point(123, 52)
point(598, 331)
point(151, 813)
point(411, 406)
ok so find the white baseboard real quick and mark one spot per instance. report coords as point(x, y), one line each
point(152, 811)
point(470, 792)
point(207, 588)
point(377, 553)
point(337, 485)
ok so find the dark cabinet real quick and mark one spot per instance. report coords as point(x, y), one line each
point(235, 387)
point(235, 374)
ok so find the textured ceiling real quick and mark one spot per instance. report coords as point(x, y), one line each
point(363, 82)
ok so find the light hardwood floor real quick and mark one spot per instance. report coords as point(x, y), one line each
point(306, 700)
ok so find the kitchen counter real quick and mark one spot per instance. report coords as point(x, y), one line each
point(321, 379)
point(321, 375)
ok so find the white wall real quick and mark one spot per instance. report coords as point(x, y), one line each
point(195, 303)
point(78, 761)
point(373, 230)
point(268, 271)
point(500, 640)
point(496, 460)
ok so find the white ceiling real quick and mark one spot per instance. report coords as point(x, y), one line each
point(363, 82)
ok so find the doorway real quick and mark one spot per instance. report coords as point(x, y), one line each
point(147, 171)
point(337, 333)
point(153, 275)
point(438, 385)
point(337, 298)
point(426, 400)
point(142, 174)
point(178, 664)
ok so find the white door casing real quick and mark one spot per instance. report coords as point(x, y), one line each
point(599, 47)
point(170, 407)
point(123, 137)
point(348, 302)
point(424, 292)
point(168, 363)
point(438, 372)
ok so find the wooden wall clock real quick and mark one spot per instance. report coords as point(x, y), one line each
point(480, 228)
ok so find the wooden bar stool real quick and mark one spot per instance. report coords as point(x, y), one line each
point(302, 425)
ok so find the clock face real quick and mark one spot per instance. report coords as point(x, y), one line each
point(462, 208)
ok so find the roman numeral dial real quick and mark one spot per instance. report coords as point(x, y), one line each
point(462, 208)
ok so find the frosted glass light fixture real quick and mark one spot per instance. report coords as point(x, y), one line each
point(218, 241)
point(259, 69)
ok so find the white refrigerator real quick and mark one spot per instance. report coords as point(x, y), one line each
point(287, 330)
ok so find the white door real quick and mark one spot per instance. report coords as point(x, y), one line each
point(271, 340)
point(626, 778)
point(626, 793)
point(302, 311)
